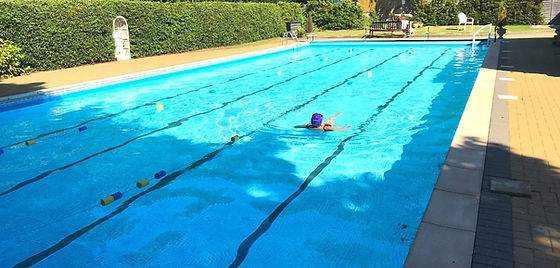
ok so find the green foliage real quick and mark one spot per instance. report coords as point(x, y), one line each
point(64, 33)
point(309, 23)
point(524, 12)
point(10, 57)
point(435, 12)
point(483, 12)
point(373, 15)
point(339, 16)
point(300, 31)
point(502, 14)
point(244, 1)
point(291, 12)
point(444, 12)
point(521, 12)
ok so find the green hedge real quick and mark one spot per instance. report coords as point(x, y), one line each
point(524, 12)
point(64, 33)
point(444, 12)
point(436, 12)
point(340, 16)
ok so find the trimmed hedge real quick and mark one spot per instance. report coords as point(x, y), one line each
point(444, 12)
point(436, 12)
point(340, 16)
point(64, 33)
point(524, 12)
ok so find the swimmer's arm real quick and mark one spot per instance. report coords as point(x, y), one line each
point(302, 126)
point(332, 118)
point(336, 128)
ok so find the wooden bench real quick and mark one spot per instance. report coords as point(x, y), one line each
point(389, 26)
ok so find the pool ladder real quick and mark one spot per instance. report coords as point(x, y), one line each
point(489, 26)
point(289, 35)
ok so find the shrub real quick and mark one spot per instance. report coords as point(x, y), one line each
point(291, 12)
point(373, 15)
point(10, 57)
point(435, 12)
point(339, 16)
point(309, 23)
point(64, 33)
point(444, 12)
point(483, 12)
point(524, 12)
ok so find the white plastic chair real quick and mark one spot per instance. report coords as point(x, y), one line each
point(464, 20)
point(406, 26)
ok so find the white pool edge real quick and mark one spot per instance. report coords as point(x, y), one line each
point(66, 89)
point(447, 231)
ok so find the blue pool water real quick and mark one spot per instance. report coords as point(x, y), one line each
point(279, 197)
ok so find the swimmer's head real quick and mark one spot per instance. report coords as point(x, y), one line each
point(316, 119)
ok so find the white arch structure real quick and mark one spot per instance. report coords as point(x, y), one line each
point(120, 34)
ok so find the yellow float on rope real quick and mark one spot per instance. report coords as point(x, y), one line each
point(109, 199)
point(159, 107)
point(279, 73)
point(30, 142)
point(369, 74)
point(142, 183)
point(235, 138)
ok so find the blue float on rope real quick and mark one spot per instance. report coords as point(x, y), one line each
point(109, 199)
point(117, 195)
point(82, 128)
point(211, 91)
point(1, 151)
point(160, 174)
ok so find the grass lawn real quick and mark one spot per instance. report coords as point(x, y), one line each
point(435, 30)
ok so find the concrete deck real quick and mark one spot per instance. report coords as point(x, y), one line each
point(498, 137)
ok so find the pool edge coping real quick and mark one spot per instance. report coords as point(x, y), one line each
point(446, 234)
point(83, 86)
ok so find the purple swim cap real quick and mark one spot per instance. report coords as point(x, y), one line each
point(316, 119)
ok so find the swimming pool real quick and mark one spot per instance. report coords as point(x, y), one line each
point(279, 196)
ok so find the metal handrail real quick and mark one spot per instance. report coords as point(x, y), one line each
point(489, 31)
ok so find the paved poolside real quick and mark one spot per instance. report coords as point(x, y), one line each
point(524, 143)
point(530, 70)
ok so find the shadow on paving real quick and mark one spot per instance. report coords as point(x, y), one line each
point(533, 55)
point(511, 230)
point(7, 89)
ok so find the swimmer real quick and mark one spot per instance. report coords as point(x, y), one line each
point(317, 123)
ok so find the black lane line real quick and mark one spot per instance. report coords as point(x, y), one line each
point(168, 179)
point(244, 247)
point(169, 125)
point(153, 102)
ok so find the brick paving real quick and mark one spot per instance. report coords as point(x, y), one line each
point(494, 233)
point(534, 141)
